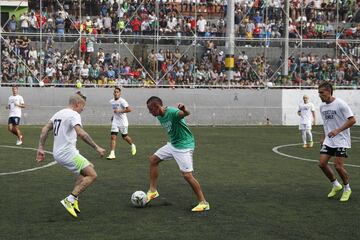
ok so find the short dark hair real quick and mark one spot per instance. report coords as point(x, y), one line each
point(328, 86)
point(117, 88)
point(154, 99)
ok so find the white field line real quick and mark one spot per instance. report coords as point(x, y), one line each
point(276, 150)
point(26, 170)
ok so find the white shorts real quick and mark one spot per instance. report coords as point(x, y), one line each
point(305, 127)
point(118, 128)
point(183, 157)
point(75, 164)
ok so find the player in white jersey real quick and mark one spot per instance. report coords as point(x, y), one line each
point(66, 127)
point(338, 118)
point(306, 111)
point(119, 122)
point(15, 104)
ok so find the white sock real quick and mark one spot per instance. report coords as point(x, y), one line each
point(132, 145)
point(336, 183)
point(310, 135)
point(71, 198)
point(347, 187)
point(303, 136)
point(112, 152)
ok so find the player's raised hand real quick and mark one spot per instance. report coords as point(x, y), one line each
point(40, 155)
point(181, 106)
point(184, 112)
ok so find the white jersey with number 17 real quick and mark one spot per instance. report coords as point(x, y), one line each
point(65, 136)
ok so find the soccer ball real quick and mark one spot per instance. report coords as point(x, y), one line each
point(41, 83)
point(139, 199)
point(78, 84)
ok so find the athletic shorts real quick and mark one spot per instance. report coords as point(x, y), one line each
point(74, 164)
point(305, 127)
point(183, 157)
point(337, 152)
point(117, 128)
point(14, 120)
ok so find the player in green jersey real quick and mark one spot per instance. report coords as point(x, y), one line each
point(180, 148)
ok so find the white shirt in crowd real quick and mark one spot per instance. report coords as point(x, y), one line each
point(201, 24)
point(334, 115)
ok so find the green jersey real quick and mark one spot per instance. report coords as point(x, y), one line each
point(180, 135)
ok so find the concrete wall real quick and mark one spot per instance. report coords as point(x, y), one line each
point(208, 107)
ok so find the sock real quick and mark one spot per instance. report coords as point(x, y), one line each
point(310, 135)
point(132, 145)
point(71, 198)
point(335, 183)
point(303, 136)
point(112, 152)
point(347, 187)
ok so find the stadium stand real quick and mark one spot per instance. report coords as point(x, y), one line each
point(35, 46)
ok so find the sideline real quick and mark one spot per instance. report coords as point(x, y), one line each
point(26, 170)
point(276, 150)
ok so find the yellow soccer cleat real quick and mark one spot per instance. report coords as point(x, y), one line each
point(334, 191)
point(111, 156)
point(311, 144)
point(345, 196)
point(69, 207)
point(133, 149)
point(76, 206)
point(151, 195)
point(202, 206)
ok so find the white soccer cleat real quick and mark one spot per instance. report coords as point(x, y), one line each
point(111, 156)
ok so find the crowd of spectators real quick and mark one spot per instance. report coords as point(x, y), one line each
point(253, 18)
point(24, 64)
point(104, 20)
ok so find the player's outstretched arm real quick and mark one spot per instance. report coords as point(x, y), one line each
point(21, 105)
point(86, 138)
point(348, 124)
point(126, 110)
point(40, 155)
point(183, 111)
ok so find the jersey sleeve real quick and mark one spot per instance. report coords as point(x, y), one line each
point(124, 103)
point(312, 108)
point(75, 120)
point(346, 110)
point(175, 114)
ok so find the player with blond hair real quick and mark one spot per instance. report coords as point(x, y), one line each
point(66, 126)
point(306, 111)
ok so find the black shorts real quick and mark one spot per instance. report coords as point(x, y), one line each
point(337, 152)
point(14, 120)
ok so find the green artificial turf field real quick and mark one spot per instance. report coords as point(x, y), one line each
point(254, 193)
